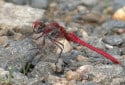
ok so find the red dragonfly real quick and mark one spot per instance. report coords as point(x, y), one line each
point(53, 31)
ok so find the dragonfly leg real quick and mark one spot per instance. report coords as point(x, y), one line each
point(39, 36)
point(44, 40)
point(58, 44)
point(61, 48)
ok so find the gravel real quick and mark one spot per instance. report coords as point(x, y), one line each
point(26, 61)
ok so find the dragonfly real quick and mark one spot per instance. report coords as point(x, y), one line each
point(53, 31)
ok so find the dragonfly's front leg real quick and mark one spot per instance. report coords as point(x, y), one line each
point(58, 44)
point(40, 36)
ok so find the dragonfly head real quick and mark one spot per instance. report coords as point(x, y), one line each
point(38, 26)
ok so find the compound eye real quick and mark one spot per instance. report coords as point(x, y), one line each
point(38, 27)
point(36, 24)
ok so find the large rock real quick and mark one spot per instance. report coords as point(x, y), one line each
point(18, 18)
point(16, 54)
point(40, 3)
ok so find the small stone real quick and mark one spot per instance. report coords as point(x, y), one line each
point(3, 30)
point(57, 80)
point(90, 2)
point(123, 50)
point(40, 3)
point(3, 73)
point(2, 2)
point(113, 25)
point(103, 72)
point(91, 83)
point(13, 51)
point(73, 29)
point(18, 36)
point(119, 14)
point(53, 66)
point(71, 75)
point(67, 18)
point(81, 9)
point(59, 65)
point(79, 47)
point(99, 77)
point(123, 59)
point(20, 2)
point(81, 58)
point(19, 78)
point(113, 39)
point(84, 34)
point(53, 4)
point(3, 39)
point(108, 46)
point(108, 10)
point(120, 30)
point(94, 17)
point(118, 81)
point(57, 83)
point(115, 51)
point(83, 71)
point(33, 81)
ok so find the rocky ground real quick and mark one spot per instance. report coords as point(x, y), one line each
point(25, 61)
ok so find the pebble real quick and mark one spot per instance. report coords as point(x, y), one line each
point(119, 14)
point(90, 2)
point(91, 83)
point(3, 39)
point(120, 30)
point(81, 58)
point(41, 70)
point(122, 60)
point(113, 40)
point(118, 81)
point(83, 72)
point(40, 3)
point(84, 34)
point(123, 50)
point(57, 80)
point(33, 81)
point(108, 10)
point(53, 5)
point(3, 29)
point(19, 78)
point(20, 2)
point(81, 9)
point(103, 72)
point(94, 17)
point(80, 74)
point(3, 73)
point(73, 27)
point(79, 47)
point(18, 36)
point(114, 51)
point(59, 66)
point(68, 5)
point(113, 25)
point(118, 4)
point(84, 69)
point(72, 75)
point(13, 52)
